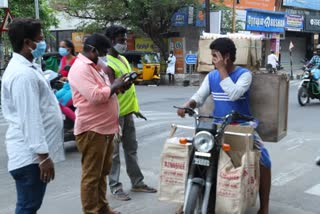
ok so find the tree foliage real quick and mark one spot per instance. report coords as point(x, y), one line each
point(150, 17)
point(26, 8)
point(226, 25)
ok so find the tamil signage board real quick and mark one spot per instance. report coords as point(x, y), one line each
point(308, 4)
point(77, 40)
point(3, 3)
point(200, 18)
point(245, 4)
point(312, 24)
point(190, 15)
point(177, 44)
point(294, 22)
point(180, 18)
point(144, 44)
point(265, 21)
point(191, 59)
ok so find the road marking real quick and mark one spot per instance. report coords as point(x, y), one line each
point(285, 177)
point(315, 190)
point(299, 142)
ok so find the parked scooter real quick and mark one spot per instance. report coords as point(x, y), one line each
point(309, 86)
point(54, 80)
point(202, 175)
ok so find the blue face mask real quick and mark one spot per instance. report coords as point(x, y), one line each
point(63, 51)
point(40, 49)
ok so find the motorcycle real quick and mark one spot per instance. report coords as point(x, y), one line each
point(271, 70)
point(53, 79)
point(203, 168)
point(309, 86)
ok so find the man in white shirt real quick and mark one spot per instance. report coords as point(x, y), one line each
point(273, 61)
point(34, 139)
point(171, 67)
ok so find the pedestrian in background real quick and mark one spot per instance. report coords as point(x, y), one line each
point(66, 50)
point(34, 138)
point(97, 120)
point(273, 61)
point(171, 62)
point(117, 66)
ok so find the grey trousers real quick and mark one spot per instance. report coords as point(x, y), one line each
point(130, 147)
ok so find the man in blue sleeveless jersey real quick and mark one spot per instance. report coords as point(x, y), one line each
point(229, 86)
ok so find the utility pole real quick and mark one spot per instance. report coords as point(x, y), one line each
point(207, 16)
point(234, 16)
point(36, 3)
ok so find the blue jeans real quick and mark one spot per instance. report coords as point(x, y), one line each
point(30, 189)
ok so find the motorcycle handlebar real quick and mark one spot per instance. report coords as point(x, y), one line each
point(234, 116)
point(189, 111)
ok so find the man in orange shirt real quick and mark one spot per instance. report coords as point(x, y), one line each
point(96, 121)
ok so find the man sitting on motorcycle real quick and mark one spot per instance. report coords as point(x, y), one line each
point(229, 86)
point(315, 60)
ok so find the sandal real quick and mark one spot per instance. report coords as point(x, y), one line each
point(120, 195)
point(143, 188)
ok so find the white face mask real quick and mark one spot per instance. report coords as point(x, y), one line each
point(102, 61)
point(103, 58)
point(120, 48)
point(171, 55)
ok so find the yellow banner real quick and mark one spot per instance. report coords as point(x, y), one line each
point(144, 44)
point(77, 40)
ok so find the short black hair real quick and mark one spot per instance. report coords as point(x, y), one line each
point(115, 30)
point(21, 29)
point(225, 46)
point(70, 45)
point(97, 40)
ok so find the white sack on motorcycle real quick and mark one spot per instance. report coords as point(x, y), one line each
point(173, 170)
point(238, 175)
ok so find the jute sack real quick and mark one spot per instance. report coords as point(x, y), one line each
point(173, 169)
point(237, 182)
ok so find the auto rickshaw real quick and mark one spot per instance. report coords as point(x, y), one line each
point(146, 64)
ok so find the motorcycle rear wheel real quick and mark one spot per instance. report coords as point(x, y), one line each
point(303, 96)
point(193, 199)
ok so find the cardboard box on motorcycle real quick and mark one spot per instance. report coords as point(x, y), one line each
point(269, 92)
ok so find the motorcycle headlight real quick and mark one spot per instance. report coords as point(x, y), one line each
point(306, 74)
point(203, 141)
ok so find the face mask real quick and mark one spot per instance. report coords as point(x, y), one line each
point(63, 51)
point(103, 58)
point(39, 50)
point(102, 61)
point(120, 48)
point(171, 55)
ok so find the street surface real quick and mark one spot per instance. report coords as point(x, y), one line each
point(295, 177)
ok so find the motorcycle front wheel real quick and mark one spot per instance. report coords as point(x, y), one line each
point(303, 96)
point(193, 199)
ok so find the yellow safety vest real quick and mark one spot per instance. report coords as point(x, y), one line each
point(128, 101)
